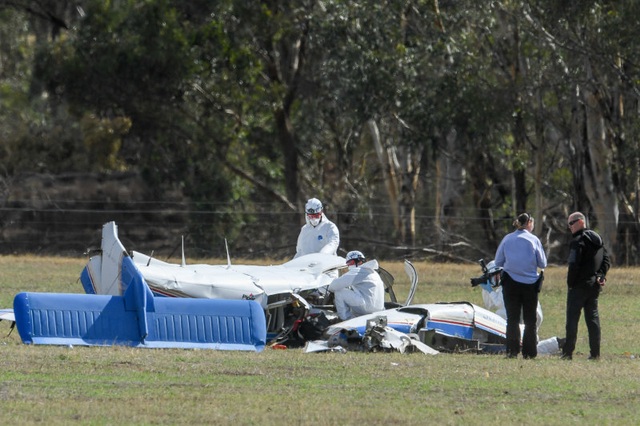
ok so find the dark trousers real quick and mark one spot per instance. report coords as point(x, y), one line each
point(579, 298)
point(520, 299)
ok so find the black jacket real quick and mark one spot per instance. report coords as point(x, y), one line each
point(588, 258)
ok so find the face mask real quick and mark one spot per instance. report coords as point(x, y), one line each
point(314, 221)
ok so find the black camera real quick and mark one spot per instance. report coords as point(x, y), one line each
point(479, 280)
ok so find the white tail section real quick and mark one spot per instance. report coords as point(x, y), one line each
point(104, 271)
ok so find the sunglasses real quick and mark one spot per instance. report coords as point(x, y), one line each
point(573, 222)
point(314, 215)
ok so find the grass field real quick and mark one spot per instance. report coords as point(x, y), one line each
point(117, 385)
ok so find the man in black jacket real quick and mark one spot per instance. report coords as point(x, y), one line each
point(588, 267)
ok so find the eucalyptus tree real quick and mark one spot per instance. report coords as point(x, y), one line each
point(592, 42)
point(121, 62)
point(475, 115)
point(549, 81)
point(413, 78)
point(508, 74)
point(378, 75)
point(257, 51)
point(15, 73)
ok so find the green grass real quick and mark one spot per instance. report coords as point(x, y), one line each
point(118, 385)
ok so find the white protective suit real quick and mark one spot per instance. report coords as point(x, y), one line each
point(324, 238)
point(360, 291)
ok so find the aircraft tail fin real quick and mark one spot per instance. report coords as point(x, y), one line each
point(102, 275)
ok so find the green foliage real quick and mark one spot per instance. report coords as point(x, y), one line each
point(231, 101)
point(103, 139)
point(132, 50)
point(126, 62)
point(43, 142)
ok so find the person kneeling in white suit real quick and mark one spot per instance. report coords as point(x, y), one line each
point(360, 291)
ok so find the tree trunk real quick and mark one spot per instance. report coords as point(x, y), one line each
point(290, 153)
point(410, 159)
point(598, 178)
point(400, 167)
point(388, 173)
point(448, 183)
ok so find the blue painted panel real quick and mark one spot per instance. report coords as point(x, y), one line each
point(138, 319)
point(85, 279)
point(451, 329)
point(93, 319)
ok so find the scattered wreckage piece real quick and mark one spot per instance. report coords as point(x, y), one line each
point(444, 327)
point(138, 319)
point(378, 337)
point(8, 315)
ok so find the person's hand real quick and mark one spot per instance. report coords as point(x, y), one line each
point(601, 280)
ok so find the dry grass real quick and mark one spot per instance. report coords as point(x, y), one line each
point(117, 385)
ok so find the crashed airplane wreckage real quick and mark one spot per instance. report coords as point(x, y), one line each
point(293, 296)
point(142, 302)
point(122, 309)
point(138, 319)
point(281, 290)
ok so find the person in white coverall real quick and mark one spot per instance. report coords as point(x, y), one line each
point(359, 291)
point(319, 234)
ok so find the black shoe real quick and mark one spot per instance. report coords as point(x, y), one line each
point(593, 358)
point(561, 342)
point(512, 356)
point(567, 357)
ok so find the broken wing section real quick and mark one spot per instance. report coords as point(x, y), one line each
point(264, 284)
point(199, 281)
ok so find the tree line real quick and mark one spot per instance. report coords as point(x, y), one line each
point(428, 125)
